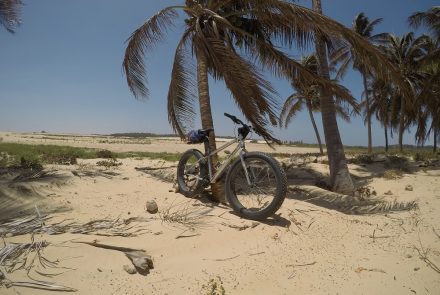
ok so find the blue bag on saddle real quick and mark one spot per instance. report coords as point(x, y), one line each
point(195, 136)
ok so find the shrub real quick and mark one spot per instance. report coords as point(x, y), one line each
point(361, 159)
point(397, 163)
point(31, 164)
point(105, 154)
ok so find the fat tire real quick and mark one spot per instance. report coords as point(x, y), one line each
point(181, 169)
point(281, 188)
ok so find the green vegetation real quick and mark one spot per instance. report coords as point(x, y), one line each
point(12, 154)
point(46, 154)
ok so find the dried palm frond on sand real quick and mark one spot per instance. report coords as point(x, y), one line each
point(103, 227)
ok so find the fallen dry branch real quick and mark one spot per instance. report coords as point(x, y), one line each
point(109, 247)
point(154, 168)
point(435, 233)
point(305, 264)
point(187, 236)
point(94, 173)
point(423, 255)
point(361, 269)
point(254, 254)
point(374, 237)
point(141, 261)
point(226, 259)
point(293, 219)
point(241, 227)
point(43, 286)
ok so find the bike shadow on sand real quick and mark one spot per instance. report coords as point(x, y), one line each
point(207, 200)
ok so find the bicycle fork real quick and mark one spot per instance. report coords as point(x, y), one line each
point(244, 167)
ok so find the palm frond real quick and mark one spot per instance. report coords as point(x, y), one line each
point(181, 93)
point(140, 42)
point(343, 112)
point(367, 54)
point(294, 109)
point(287, 106)
point(252, 93)
point(429, 18)
point(10, 14)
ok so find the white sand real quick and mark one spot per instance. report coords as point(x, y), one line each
point(309, 250)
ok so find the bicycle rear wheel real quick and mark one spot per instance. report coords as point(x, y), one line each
point(267, 189)
point(192, 173)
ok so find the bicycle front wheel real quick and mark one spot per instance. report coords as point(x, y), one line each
point(260, 192)
point(192, 173)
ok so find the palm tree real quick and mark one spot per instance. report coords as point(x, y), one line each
point(10, 14)
point(346, 56)
point(429, 96)
point(429, 18)
point(225, 36)
point(307, 95)
point(380, 105)
point(431, 65)
point(340, 179)
point(406, 53)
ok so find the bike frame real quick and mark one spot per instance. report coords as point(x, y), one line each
point(240, 150)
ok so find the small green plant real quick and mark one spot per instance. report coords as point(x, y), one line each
point(60, 159)
point(214, 287)
point(110, 163)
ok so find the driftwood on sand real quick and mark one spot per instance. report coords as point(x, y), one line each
point(138, 257)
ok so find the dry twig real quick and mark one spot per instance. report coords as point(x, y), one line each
point(423, 255)
point(225, 259)
point(305, 264)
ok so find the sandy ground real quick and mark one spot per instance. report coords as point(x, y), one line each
point(116, 144)
point(314, 245)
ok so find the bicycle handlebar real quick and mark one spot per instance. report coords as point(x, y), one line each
point(234, 119)
point(244, 131)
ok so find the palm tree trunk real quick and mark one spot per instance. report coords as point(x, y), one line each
point(386, 138)
point(340, 179)
point(309, 108)
point(401, 123)
point(206, 117)
point(367, 109)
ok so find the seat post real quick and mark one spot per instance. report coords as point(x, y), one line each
point(207, 151)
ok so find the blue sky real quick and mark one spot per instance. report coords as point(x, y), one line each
point(61, 71)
